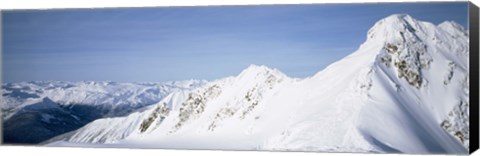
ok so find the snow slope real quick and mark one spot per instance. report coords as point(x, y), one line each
point(404, 90)
point(36, 111)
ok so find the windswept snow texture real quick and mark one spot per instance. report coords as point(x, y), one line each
point(405, 90)
point(36, 111)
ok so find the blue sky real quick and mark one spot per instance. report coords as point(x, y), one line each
point(178, 43)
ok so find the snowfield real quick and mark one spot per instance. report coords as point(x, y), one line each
point(405, 90)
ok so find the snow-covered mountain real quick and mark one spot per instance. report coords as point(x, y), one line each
point(404, 90)
point(241, 93)
point(35, 111)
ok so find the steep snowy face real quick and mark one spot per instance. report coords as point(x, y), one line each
point(404, 90)
point(422, 70)
point(207, 107)
point(235, 97)
point(110, 130)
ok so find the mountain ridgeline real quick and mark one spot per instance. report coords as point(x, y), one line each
point(405, 90)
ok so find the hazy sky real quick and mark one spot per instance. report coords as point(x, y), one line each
point(177, 43)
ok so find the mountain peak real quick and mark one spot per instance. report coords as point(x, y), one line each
point(398, 27)
point(452, 28)
point(257, 67)
point(397, 21)
point(260, 69)
point(399, 16)
point(390, 26)
point(451, 24)
point(253, 68)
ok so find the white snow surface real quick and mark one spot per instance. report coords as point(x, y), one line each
point(391, 95)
